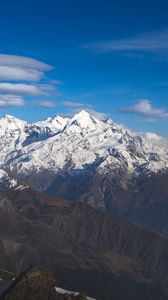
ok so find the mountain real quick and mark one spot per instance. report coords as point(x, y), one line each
point(83, 248)
point(96, 162)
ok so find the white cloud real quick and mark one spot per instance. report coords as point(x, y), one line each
point(154, 138)
point(21, 89)
point(153, 42)
point(22, 76)
point(23, 62)
point(47, 104)
point(56, 82)
point(6, 101)
point(14, 73)
point(145, 107)
point(74, 104)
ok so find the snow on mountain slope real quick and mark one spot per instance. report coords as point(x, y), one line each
point(8, 185)
point(66, 292)
point(77, 145)
point(15, 134)
point(55, 124)
point(8, 182)
point(11, 129)
point(97, 162)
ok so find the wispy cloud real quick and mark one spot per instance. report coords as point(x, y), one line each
point(145, 107)
point(15, 74)
point(21, 89)
point(9, 100)
point(74, 104)
point(154, 138)
point(23, 62)
point(155, 42)
point(22, 76)
point(46, 104)
point(122, 90)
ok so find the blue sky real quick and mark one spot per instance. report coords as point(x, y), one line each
point(109, 57)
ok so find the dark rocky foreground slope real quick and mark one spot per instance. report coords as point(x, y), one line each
point(86, 250)
point(36, 284)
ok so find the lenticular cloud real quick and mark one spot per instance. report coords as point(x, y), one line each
point(21, 76)
point(22, 61)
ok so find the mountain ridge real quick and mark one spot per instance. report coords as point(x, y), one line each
point(83, 158)
point(86, 249)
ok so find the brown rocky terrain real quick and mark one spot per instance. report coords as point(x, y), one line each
point(85, 249)
point(142, 200)
point(35, 284)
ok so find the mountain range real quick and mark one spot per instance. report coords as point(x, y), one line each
point(86, 201)
point(99, 163)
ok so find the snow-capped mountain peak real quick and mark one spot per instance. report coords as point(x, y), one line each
point(100, 163)
point(8, 117)
point(60, 121)
point(10, 122)
point(76, 144)
point(84, 120)
point(55, 124)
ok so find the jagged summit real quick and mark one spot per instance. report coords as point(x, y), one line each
point(84, 120)
point(82, 115)
point(11, 118)
point(82, 145)
point(55, 124)
point(79, 141)
point(9, 123)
